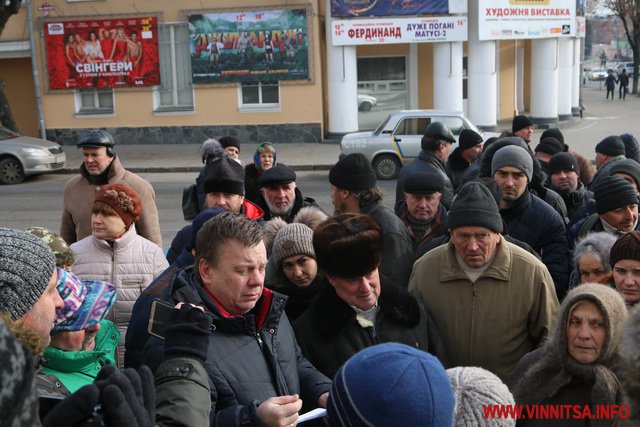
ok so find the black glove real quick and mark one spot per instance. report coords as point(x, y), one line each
point(74, 410)
point(187, 333)
point(116, 398)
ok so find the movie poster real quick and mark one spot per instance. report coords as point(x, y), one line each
point(249, 46)
point(102, 53)
point(357, 8)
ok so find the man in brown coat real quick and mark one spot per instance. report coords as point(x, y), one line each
point(101, 166)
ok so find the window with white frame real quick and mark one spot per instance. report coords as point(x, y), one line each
point(94, 101)
point(260, 95)
point(176, 90)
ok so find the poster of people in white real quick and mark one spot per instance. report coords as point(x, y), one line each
point(526, 19)
point(392, 30)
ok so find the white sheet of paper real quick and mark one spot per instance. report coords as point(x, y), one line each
point(312, 415)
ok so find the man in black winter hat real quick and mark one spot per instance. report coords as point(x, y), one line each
point(491, 282)
point(545, 149)
point(616, 210)
point(609, 151)
point(354, 189)
point(469, 148)
point(563, 178)
point(522, 126)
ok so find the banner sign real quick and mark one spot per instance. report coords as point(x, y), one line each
point(249, 46)
point(355, 8)
point(102, 53)
point(399, 30)
point(526, 19)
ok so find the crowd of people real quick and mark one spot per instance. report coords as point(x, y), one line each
point(506, 275)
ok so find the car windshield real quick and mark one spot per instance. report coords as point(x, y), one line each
point(7, 133)
point(381, 126)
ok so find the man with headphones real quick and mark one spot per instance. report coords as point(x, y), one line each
point(102, 166)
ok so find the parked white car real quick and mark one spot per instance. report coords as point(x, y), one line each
point(23, 155)
point(397, 139)
point(366, 102)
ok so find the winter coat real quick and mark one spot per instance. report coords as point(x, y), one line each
point(397, 250)
point(426, 161)
point(183, 236)
point(75, 369)
point(298, 203)
point(533, 221)
point(79, 195)
point(250, 358)
point(610, 82)
point(456, 168)
point(299, 299)
point(137, 335)
point(438, 227)
point(592, 223)
point(183, 395)
point(550, 375)
point(329, 332)
point(130, 265)
point(493, 322)
point(251, 186)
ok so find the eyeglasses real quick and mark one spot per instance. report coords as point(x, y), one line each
point(481, 237)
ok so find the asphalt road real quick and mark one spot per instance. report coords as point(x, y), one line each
point(38, 202)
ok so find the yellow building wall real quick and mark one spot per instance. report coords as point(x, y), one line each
point(507, 78)
point(16, 27)
point(425, 71)
point(18, 80)
point(213, 105)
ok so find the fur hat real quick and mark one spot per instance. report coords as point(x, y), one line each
point(611, 146)
point(18, 400)
point(292, 239)
point(122, 199)
point(612, 193)
point(474, 389)
point(515, 157)
point(60, 248)
point(224, 175)
point(210, 150)
point(353, 172)
point(520, 122)
point(229, 141)
point(388, 385)
point(474, 205)
point(348, 245)
point(309, 216)
point(26, 266)
point(626, 247)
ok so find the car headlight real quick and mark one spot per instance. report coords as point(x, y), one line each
point(36, 152)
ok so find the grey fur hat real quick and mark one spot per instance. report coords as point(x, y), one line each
point(474, 388)
point(26, 266)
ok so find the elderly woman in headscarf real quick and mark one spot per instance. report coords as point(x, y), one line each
point(263, 159)
point(591, 259)
point(116, 253)
point(577, 365)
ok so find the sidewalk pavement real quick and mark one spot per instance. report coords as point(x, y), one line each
point(601, 118)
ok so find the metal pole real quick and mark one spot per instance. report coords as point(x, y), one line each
point(34, 69)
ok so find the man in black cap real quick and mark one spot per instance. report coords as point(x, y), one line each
point(102, 166)
point(469, 148)
point(545, 149)
point(279, 195)
point(231, 146)
point(436, 146)
point(563, 178)
point(522, 126)
point(504, 297)
point(609, 151)
point(616, 210)
point(587, 170)
point(354, 189)
point(421, 211)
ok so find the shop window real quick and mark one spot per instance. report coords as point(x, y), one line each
point(94, 101)
point(176, 90)
point(260, 95)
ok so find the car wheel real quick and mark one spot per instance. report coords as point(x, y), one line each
point(11, 171)
point(365, 106)
point(386, 166)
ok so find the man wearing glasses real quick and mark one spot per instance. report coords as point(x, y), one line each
point(491, 301)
